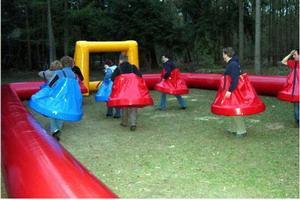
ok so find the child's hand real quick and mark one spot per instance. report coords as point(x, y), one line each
point(227, 94)
point(292, 52)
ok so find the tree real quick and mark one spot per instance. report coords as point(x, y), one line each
point(257, 58)
point(51, 40)
point(241, 30)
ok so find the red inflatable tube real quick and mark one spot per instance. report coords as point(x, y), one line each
point(265, 85)
point(34, 164)
point(25, 89)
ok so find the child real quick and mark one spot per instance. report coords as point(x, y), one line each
point(290, 91)
point(105, 88)
point(129, 92)
point(47, 74)
point(236, 97)
point(171, 83)
point(61, 99)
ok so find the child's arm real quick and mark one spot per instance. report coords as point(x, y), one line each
point(285, 59)
point(46, 74)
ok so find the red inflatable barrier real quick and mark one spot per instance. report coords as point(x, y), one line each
point(25, 89)
point(34, 165)
point(265, 85)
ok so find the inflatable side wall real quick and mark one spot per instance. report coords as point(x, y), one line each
point(36, 166)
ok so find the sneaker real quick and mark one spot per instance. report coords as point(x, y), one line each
point(108, 115)
point(241, 135)
point(183, 108)
point(56, 135)
point(116, 116)
point(132, 128)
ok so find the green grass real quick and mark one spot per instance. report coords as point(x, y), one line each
point(187, 153)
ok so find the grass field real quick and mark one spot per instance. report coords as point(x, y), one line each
point(187, 153)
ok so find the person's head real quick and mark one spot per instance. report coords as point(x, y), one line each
point(228, 53)
point(108, 63)
point(165, 57)
point(67, 61)
point(55, 65)
point(295, 54)
point(123, 58)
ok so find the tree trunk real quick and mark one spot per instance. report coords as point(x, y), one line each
point(52, 51)
point(257, 57)
point(66, 33)
point(241, 31)
point(154, 63)
point(29, 63)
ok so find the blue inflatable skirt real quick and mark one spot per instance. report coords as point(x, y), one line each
point(61, 101)
point(104, 91)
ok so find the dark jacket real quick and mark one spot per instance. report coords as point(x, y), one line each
point(168, 66)
point(233, 69)
point(77, 71)
point(125, 68)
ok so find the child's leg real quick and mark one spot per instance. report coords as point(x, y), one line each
point(124, 117)
point(163, 101)
point(53, 125)
point(59, 123)
point(133, 116)
point(232, 125)
point(240, 125)
point(117, 113)
point(109, 111)
point(296, 111)
point(181, 101)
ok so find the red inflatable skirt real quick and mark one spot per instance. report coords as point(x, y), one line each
point(243, 100)
point(290, 91)
point(174, 84)
point(129, 90)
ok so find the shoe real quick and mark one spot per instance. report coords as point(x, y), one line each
point(231, 132)
point(132, 128)
point(116, 116)
point(108, 115)
point(183, 108)
point(161, 109)
point(241, 135)
point(56, 135)
point(124, 125)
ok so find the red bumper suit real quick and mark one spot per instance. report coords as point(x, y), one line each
point(129, 90)
point(174, 84)
point(290, 91)
point(242, 101)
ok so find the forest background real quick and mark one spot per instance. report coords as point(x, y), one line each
point(36, 32)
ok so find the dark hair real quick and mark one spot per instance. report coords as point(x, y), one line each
point(67, 61)
point(168, 55)
point(291, 57)
point(108, 62)
point(123, 57)
point(229, 51)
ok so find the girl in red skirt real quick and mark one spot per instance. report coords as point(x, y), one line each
point(129, 92)
point(171, 83)
point(236, 97)
point(290, 91)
